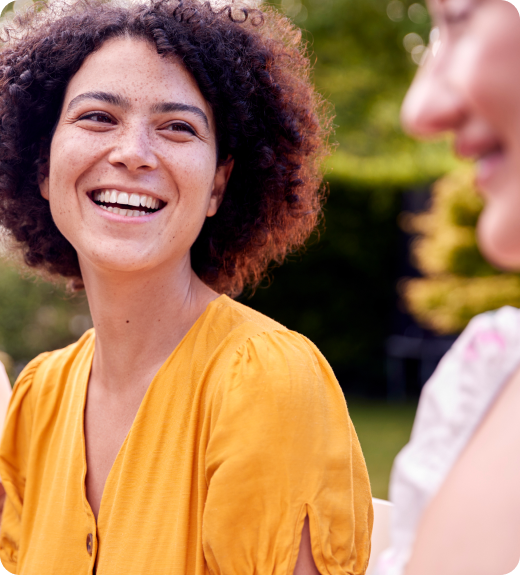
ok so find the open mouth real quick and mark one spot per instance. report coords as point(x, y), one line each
point(488, 164)
point(124, 204)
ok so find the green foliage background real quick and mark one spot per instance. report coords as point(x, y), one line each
point(457, 283)
point(341, 292)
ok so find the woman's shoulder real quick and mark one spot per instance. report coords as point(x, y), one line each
point(47, 368)
point(236, 317)
point(262, 355)
point(254, 334)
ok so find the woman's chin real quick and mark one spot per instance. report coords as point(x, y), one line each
point(499, 239)
point(113, 263)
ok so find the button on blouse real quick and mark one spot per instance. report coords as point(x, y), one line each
point(89, 543)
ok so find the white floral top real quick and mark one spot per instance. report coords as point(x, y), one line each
point(452, 404)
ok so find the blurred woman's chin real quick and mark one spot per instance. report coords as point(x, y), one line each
point(499, 239)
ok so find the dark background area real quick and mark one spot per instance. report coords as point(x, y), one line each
point(341, 291)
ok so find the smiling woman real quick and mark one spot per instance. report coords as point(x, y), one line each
point(161, 155)
point(267, 117)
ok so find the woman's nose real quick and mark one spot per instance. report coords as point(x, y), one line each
point(433, 104)
point(134, 150)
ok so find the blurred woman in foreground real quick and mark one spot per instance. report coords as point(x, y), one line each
point(456, 485)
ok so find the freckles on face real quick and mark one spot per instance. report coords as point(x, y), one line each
point(133, 158)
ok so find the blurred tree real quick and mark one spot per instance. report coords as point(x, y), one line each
point(367, 53)
point(459, 283)
point(36, 316)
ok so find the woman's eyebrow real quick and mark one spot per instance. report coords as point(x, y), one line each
point(107, 97)
point(165, 107)
point(117, 100)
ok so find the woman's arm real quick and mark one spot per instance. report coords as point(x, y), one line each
point(282, 446)
point(472, 526)
point(305, 563)
point(5, 396)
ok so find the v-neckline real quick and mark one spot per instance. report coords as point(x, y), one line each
point(145, 400)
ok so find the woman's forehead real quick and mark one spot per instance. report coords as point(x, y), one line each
point(133, 68)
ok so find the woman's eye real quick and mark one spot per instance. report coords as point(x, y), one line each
point(180, 127)
point(98, 117)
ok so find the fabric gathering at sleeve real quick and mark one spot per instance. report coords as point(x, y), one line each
point(14, 450)
point(282, 447)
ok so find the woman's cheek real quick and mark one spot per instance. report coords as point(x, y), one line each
point(195, 175)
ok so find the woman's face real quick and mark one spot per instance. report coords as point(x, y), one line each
point(133, 162)
point(470, 85)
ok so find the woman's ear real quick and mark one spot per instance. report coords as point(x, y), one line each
point(43, 173)
point(222, 176)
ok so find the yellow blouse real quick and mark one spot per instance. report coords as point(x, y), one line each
point(242, 433)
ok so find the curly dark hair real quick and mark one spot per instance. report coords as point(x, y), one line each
point(252, 68)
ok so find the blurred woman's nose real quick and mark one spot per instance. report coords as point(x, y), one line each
point(134, 150)
point(433, 104)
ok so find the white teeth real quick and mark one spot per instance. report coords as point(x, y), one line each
point(122, 198)
point(123, 212)
point(134, 200)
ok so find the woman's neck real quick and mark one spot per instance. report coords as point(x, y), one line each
point(140, 318)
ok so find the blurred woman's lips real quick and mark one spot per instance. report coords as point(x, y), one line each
point(488, 152)
point(488, 165)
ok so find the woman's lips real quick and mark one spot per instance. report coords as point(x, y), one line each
point(488, 166)
point(128, 205)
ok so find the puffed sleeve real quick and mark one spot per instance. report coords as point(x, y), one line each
point(14, 450)
point(282, 447)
